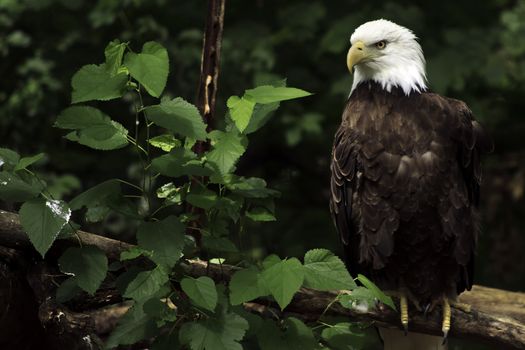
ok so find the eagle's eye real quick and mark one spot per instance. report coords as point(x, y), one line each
point(381, 44)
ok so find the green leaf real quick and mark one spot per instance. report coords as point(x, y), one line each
point(178, 163)
point(92, 128)
point(382, 297)
point(14, 189)
point(165, 142)
point(342, 336)
point(360, 299)
point(97, 195)
point(283, 280)
point(223, 333)
point(171, 193)
point(8, 159)
point(94, 82)
point(296, 336)
point(27, 161)
point(202, 198)
point(88, 264)
point(241, 110)
point(150, 67)
point(67, 290)
point(325, 271)
point(270, 260)
point(260, 214)
point(246, 285)
point(252, 187)
point(133, 253)
point(42, 220)
point(165, 239)
point(228, 147)
point(178, 116)
point(146, 283)
point(201, 291)
point(261, 115)
point(135, 325)
point(114, 52)
point(269, 94)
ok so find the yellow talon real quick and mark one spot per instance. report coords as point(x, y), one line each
point(446, 319)
point(404, 311)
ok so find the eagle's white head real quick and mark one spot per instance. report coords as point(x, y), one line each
point(389, 54)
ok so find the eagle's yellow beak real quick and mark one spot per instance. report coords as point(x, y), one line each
point(356, 54)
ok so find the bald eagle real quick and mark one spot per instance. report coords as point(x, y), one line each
point(405, 174)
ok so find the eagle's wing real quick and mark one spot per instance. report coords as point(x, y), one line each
point(342, 186)
point(361, 172)
point(472, 141)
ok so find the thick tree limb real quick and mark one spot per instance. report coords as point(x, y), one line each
point(497, 316)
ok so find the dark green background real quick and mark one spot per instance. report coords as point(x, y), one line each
point(475, 51)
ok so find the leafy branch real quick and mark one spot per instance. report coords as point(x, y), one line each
point(500, 323)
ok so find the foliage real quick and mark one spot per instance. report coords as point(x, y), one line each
point(206, 314)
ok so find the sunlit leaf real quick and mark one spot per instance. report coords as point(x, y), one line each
point(382, 297)
point(92, 128)
point(241, 110)
point(227, 148)
point(178, 116)
point(93, 82)
point(325, 271)
point(260, 214)
point(114, 52)
point(150, 67)
point(269, 94)
point(43, 220)
point(165, 142)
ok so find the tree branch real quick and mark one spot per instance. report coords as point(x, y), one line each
point(211, 53)
point(497, 316)
point(209, 76)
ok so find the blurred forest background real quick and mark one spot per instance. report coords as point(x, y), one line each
point(475, 52)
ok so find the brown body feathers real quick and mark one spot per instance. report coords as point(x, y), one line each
point(405, 189)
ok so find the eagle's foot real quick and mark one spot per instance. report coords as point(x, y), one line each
point(403, 296)
point(446, 319)
point(403, 305)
